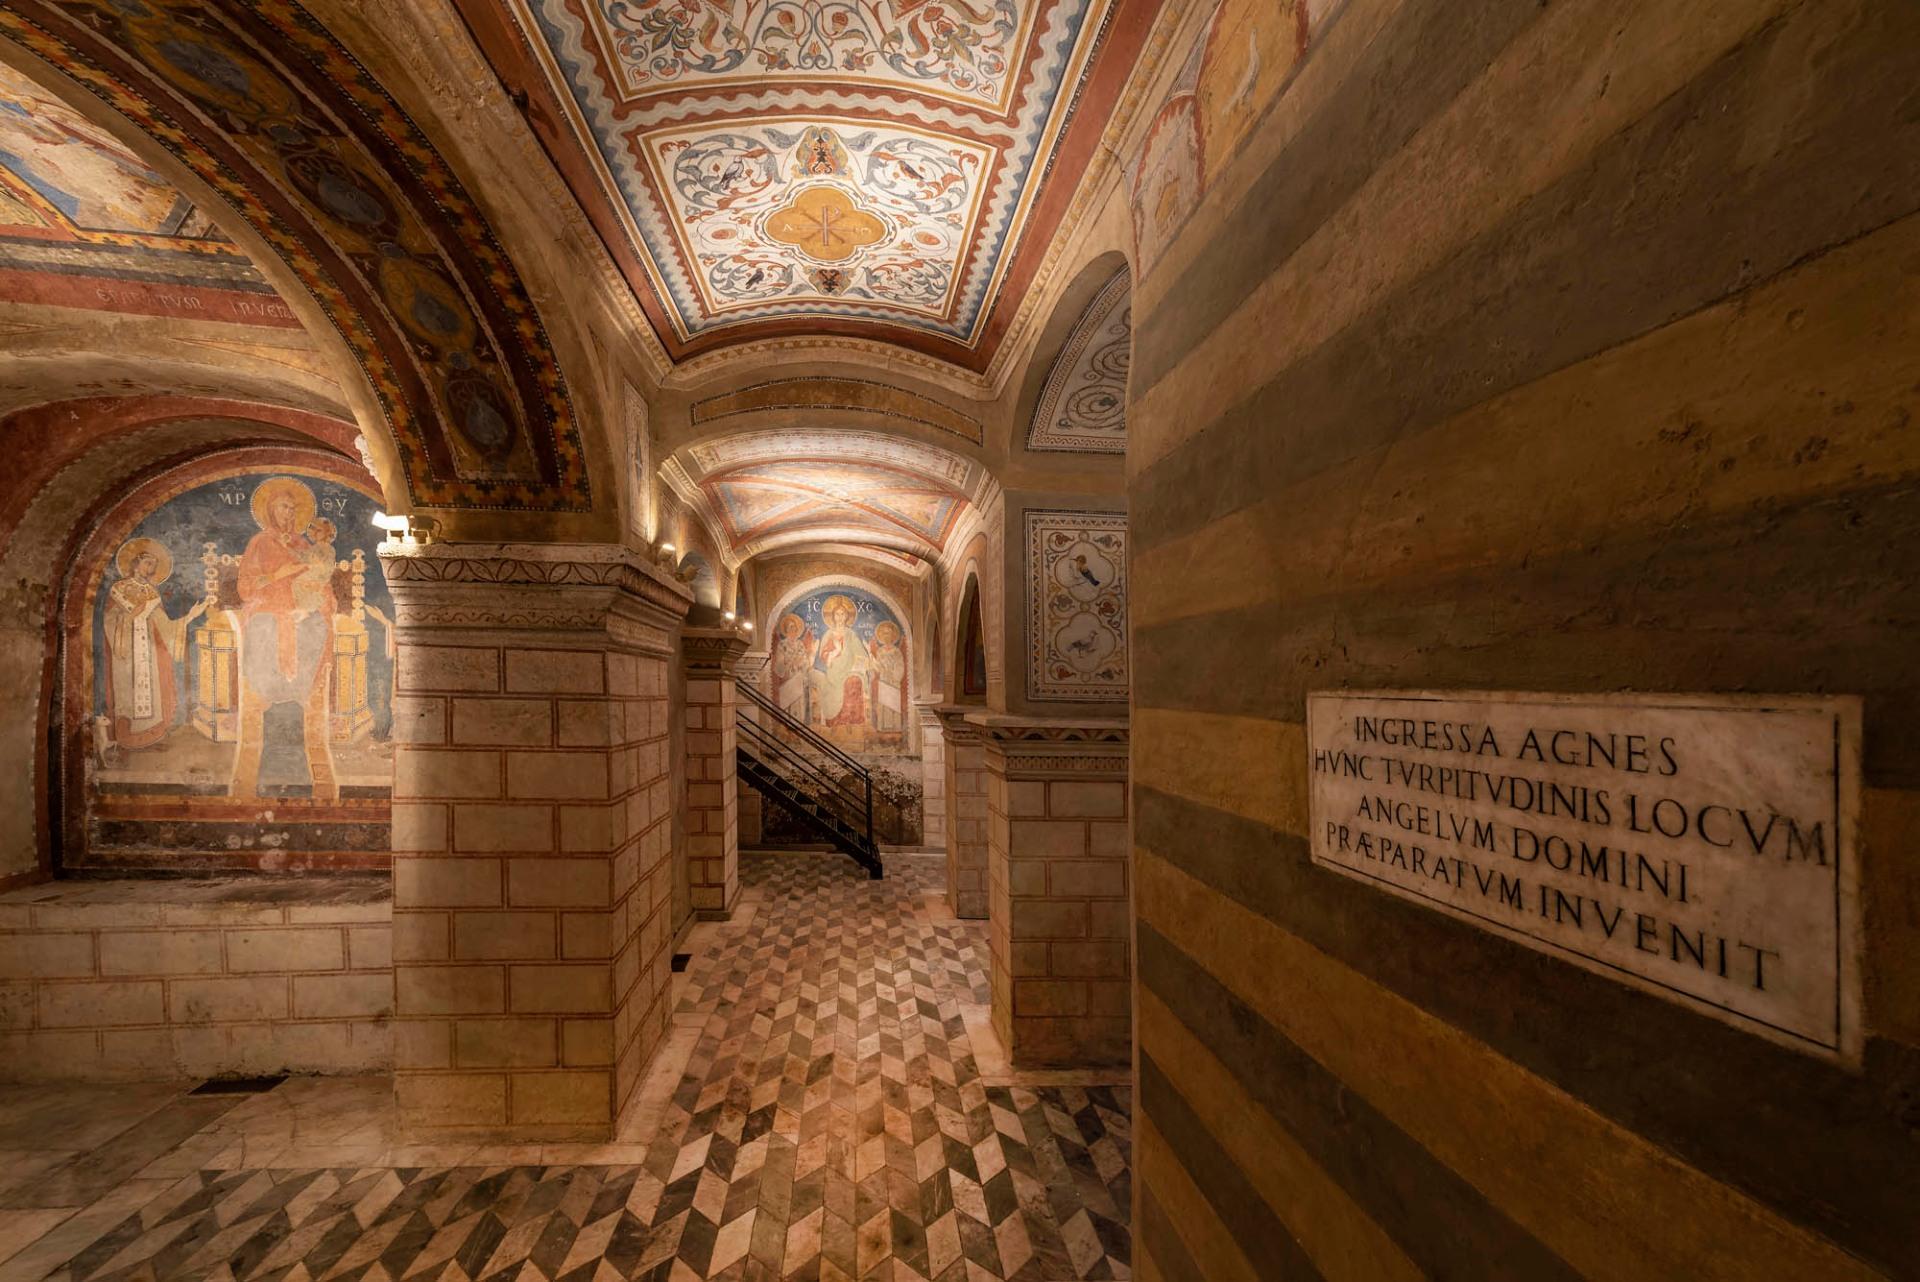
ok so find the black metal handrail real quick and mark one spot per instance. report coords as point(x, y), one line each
point(793, 725)
point(848, 793)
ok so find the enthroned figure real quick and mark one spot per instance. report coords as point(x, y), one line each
point(287, 607)
point(143, 644)
point(842, 667)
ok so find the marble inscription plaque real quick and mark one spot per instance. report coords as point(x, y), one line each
point(1697, 847)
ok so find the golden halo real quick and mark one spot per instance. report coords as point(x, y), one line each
point(134, 549)
point(276, 487)
point(839, 604)
point(886, 630)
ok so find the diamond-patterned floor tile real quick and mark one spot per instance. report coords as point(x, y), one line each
point(831, 1124)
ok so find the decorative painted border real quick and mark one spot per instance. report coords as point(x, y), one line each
point(1052, 429)
point(1041, 523)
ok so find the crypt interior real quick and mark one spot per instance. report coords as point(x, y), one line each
point(959, 640)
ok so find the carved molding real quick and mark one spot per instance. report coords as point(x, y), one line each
point(954, 722)
point(1036, 746)
point(712, 651)
point(566, 587)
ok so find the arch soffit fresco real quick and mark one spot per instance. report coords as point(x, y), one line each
point(772, 489)
point(1080, 406)
point(264, 106)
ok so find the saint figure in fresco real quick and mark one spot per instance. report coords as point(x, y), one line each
point(286, 617)
point(842, 666)
point(793, 649)
point(889, 679)
point(143, 644)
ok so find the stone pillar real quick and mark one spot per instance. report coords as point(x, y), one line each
point(966, 788)
point(711, 657)
point(1057, 851)
point(933, 779)
point(531, 835)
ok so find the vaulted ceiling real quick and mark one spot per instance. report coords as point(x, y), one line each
point(880, 168)
point(772, 489)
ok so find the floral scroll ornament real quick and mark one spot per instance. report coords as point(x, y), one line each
point(961, 45)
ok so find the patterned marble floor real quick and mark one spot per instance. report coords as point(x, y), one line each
point(822, 1112)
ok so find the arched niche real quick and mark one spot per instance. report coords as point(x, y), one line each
point(891, 726)
point(226, 673)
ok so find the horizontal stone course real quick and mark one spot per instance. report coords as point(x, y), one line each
point(167, 979)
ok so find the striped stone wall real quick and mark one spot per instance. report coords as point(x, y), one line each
point(1567, 346)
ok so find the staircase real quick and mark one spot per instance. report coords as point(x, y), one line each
point(787, 763)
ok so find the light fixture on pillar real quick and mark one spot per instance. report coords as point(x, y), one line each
point(399, 528)
point(747, 624)
point(408, 531)
point(730, 616)
point(664, 555)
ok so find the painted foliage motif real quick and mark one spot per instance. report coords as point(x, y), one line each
point(1077, 605)
point(956, 48)
point(243, 647)
point(840, 665)
point(1083, 407)
point(779, 212)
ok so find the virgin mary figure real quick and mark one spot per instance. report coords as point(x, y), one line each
point(143, 644)
point(842, 666)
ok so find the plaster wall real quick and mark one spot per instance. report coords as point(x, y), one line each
point(1566, 348)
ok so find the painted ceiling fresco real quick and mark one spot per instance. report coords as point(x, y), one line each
point(86, 223)
point(769, 489)
point(260, 102)
point(788, 166)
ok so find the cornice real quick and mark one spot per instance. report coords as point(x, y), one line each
point(712, 650)
point(537, 586)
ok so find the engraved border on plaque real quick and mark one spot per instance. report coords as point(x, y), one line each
point(1739, 742)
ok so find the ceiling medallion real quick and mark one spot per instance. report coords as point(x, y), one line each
point(824, 223)
point(778, 214)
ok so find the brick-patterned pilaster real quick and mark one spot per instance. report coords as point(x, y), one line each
point(711, 657)
point(531, 832)
point(933, 779)
point(1058, 855)
point(966, 788)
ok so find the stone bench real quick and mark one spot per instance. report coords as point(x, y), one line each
point(235, 976)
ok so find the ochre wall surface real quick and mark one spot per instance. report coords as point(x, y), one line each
point(1561, 347)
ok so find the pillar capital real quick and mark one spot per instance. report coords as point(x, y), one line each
point(540, 587)
point(712, 651)
point(954, 721)
point(1042, 747)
